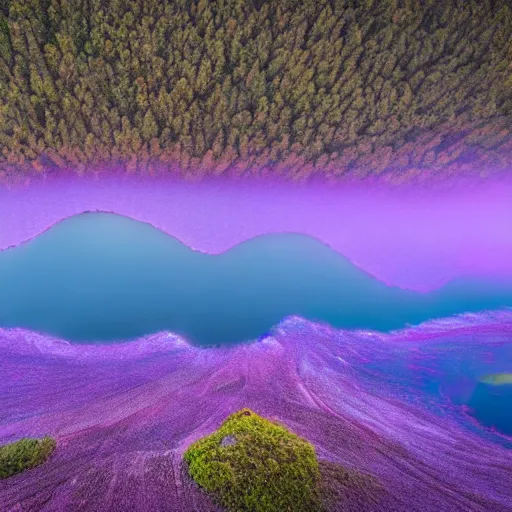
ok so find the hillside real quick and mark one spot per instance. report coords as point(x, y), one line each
point(124, 415)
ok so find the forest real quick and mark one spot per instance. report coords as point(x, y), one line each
point(392, 90)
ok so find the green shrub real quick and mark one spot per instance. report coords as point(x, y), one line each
point(24, 454)
point(251, 463)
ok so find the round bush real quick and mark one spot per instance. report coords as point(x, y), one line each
point(24, 454)
point(253, 464)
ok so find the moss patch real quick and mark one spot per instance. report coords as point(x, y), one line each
point(24, 454)
point(253, 464)
point(497, 379)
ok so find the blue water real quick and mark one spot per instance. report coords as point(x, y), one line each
point(103, 277)
point(492, 406)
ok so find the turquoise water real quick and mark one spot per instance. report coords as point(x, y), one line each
point(103, 277)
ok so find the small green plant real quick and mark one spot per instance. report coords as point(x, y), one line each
point(253, 464)
point(497, 379)
point(24, 454)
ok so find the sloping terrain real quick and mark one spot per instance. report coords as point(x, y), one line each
point(124, 414)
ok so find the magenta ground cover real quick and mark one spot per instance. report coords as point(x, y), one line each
point(124, 413)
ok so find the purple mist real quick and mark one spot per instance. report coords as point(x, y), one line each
point(416, 238)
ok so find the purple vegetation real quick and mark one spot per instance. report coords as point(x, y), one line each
point(123, 414)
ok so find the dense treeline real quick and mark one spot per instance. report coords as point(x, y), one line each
point(402, 89)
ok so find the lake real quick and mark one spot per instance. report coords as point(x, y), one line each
point(491, 405)
point(99, 277)
point(103, 278)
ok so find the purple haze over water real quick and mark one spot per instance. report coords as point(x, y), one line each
point(413, 239)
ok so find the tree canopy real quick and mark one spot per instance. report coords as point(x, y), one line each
point(402, 90)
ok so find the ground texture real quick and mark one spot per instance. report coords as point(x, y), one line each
point(124, 414)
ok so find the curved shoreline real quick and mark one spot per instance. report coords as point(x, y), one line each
point(486, 322)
